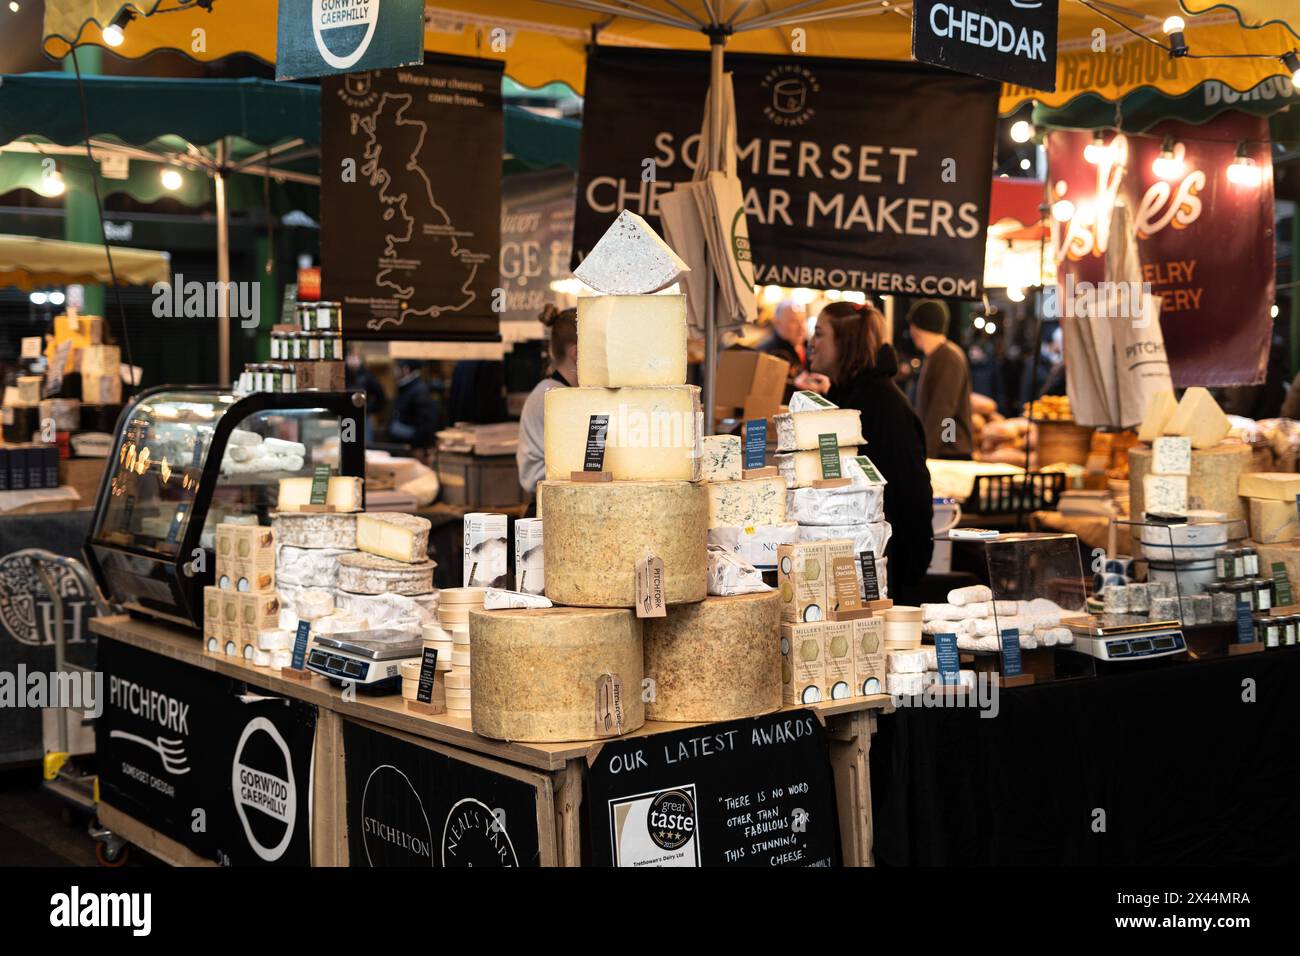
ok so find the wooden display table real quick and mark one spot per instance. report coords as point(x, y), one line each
point(559, 773)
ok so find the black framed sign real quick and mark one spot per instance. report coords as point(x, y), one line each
point(320, 37)
point(1009, 40)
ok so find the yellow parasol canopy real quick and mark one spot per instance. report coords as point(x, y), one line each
point(1100, 50)
point(30, 263)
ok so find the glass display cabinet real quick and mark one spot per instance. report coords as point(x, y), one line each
point(185, 459)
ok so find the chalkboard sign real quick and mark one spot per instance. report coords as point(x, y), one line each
point(300, 644)
point(1011, 665)
point(870, 583)
point(597, 430)
point(744, 793)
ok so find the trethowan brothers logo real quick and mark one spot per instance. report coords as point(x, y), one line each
point(792, 88)
point(395, 830)
point(343, 29)
point(262, 784)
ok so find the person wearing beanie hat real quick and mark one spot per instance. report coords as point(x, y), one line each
point(943, 390)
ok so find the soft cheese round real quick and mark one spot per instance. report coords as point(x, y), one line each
point(363, 573)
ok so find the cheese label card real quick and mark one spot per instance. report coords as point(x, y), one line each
point(1281, 584)
point(320, 484)
point(650, 587)
point(31, 347)
point(597, 431)
point(1010, 641)
point(830, 450)
point(806, 401)
point(300, 645)
point(609, 705)
point(428, 668)
point(945, 652)
point(1245, 623)
point(173, 529)
point(845, 581)
point(870, 470)
point(870, 583)
point(755, 443)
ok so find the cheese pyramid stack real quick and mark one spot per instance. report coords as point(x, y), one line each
point(798, 437)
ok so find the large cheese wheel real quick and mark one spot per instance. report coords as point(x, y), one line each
point(1212, 485)
point(546, 675)
point(716, 660)
point(596, 532)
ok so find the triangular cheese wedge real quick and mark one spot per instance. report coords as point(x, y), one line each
point(1160, 408)
point(630, 259)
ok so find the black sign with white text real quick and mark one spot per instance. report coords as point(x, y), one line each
point(1014, 42)
point(856, 174)
point(745, 793)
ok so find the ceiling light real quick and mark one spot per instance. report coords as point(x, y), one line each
point(171, 179)
point(1169, 164)
point(1021, 131)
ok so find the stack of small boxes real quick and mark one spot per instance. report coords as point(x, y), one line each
point(823, 658)
point(243, 602)
point(451, 640)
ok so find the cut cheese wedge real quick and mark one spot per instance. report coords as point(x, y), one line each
point(1160, 408)
point(758, 501)
point(344, 494)
point(801, 468)
point(1277, 485)
point(1199, 417)
point(632, 340)
point(630, 259)
point(723, 458)
point(654, 433)
point(797, 431)
point(391, 534)
point(1273, 521)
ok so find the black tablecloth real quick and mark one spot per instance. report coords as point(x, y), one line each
point(1186, 771)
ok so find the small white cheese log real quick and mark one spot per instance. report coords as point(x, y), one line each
point(274, 640)
point(723, 458)
point(632, 340)
point(1171, 456)
point(498, 599)
point(796, 431)
point(716, 660)
point(976, 593)
point(941, 612)
point(344, 493)
point(630, 259)
point(391, 534)
point(596, 533)
point(1160, 408)
point(371, 574)
point(654, 432)
point(537, 673)
point(943, 626)
point(1165, 494)
point(1199, 417)
point(746, 503)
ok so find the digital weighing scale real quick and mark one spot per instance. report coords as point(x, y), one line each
point(1126, 637)
point(370, 664)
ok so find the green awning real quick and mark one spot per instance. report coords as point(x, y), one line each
point(1148, 107)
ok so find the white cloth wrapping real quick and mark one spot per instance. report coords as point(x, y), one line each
point(831, 506)
point(865, 537)
point(729, 575)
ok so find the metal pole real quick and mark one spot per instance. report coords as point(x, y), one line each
point(713, 160)
point(223, 269)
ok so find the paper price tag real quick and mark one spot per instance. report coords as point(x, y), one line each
point(830, 451)
point(597, 431)
point(945, 651)
point(1245, 623)
point(300, 645)
point(650, 588)
point(755, 443)
point(1010, 641)
point(320, 484)
point(1281, 583)
point(870, 583)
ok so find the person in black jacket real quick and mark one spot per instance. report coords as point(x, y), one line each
point(854, 367)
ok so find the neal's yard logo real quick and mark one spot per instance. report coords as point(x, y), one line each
point(670, 819)
point(475, 835)
point(350, 26)
point(791, 87)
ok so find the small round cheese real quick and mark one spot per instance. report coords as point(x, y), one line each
point(363, 573)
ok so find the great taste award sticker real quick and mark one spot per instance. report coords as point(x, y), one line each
point(656, 829)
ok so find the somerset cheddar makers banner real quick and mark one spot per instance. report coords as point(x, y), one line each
point(857, 175)
point(1206, 243)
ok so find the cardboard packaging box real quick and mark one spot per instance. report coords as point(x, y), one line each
point(752, 381)
point(804, 578)
point(229, 631)
point(803, 663)
point(212, 642)
point(530, 573)
point(486, 561)
point(326, 376)
point(869, 656)
point(837, 646)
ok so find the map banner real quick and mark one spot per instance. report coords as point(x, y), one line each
point(410, 211)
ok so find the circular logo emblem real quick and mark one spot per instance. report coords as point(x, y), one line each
point(26, 607)
point(395, 829)
point(349, 26)
point(474, 835)
point(261, 780)
point(792, 88)
point(671, 819)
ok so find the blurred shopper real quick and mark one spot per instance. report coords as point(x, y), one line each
point(789, 336)
point(359, 378)
point(854, 367)
point(943, 391)
point(531, 454)
point(415, 413)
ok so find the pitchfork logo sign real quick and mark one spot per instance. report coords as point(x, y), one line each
point(320, 37)
point(1009, 40)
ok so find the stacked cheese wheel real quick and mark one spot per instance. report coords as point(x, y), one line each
point(454, 607)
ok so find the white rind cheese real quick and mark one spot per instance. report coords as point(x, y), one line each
point(315, 530)
point(596, 533)
point(723, 458)
point(796, 431)
point(391, 610)
point(755, 544)
point(831, 506)
point(391, 534)
point(801, 468)
point(714, 661)
point(547, 675)
point(632, 340)
point(344, 493)
point(308, 567)
point(654, 433)
point(371, 574)
point(630, 259)
point(873, 536)
point(753, 502)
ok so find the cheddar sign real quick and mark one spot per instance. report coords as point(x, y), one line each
point(321, 37)
point(1009, 40)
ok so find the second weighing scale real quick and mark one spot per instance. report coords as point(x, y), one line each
point(372, 664)
point(1120, 639)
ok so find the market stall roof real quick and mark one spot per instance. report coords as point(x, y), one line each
point(30, 263)
point(547, 39)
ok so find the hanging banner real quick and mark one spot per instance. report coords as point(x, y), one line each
point(1205, 242)
point(745, 793)
point(536, 240)
point(1012, 42)
point(321, 37)
point(410, 211)
point(410, 805)
point(857, 175)
point(222, 768)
